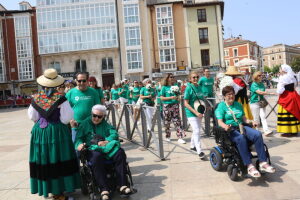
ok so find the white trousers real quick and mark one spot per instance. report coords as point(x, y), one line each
point(257, 113)
point(149, 115)
point(195, 123)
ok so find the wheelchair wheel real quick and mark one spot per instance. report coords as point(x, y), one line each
point(84, 181)
point(232, 172)
point(93, 196)
point(216, 160)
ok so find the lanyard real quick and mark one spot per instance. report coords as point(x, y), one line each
point(234, 117)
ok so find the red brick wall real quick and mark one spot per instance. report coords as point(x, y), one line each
point(36, 57)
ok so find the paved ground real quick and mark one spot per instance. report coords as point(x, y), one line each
point(181, 176)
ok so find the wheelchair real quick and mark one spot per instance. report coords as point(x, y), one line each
point(226, 154)
point(89, 184)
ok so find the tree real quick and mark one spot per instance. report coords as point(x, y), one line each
point(296, 64)
point(275, 69)
point(267, 69)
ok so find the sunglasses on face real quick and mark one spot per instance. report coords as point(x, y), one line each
point(195, 77)
point(171, 77)
point(81, 81)
point(98, 116)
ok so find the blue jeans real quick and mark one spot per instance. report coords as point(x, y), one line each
point(241, 142)
point(74, 132)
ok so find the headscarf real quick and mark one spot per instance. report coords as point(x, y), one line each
point(285, 79)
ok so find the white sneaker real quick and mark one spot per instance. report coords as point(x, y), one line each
point(168, 139)
point(268, 133)
point(181, 141)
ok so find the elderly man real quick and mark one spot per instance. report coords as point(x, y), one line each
point(102, 141)
point(82, 98)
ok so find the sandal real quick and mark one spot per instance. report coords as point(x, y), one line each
point(252, 171)
point(105, 195)
point(125, 191)
point(265, 167)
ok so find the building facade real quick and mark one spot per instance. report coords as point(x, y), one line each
point(236, 49)
point(78, 36)
point(19, 60)
point(280, 54)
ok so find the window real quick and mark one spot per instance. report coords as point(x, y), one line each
point(273, 58)
point(25, 69)
point(203, 35)
point(236, 61)
point(279, 57)
point(167, 55)
point(55, 65)
point(226, 53)
point(235, 52)
point(227, 62)
point(134, 59)
point(168, 67)
point(80, 66)
point(166, 36)
point(131, 13)
point(107, 64)
point(201, 15)
point(205, 57)
point(132, 36)
point(164, 15)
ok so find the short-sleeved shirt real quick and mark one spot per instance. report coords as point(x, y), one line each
point(222, 112)
point(146, 92)
point(190, 95)
point(82, 102)
point(135, 93)
point(114, 94)
point(207, 86)
point(100, 93)
point(254, 97)
point(125, 93)
point(166, 92)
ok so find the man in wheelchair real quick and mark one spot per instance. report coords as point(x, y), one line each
point(103, 144)
point(231, 117)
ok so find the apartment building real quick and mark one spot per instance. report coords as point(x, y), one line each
point(279, 54)
point(80, 35)
point(19, 60)
point(236, 49)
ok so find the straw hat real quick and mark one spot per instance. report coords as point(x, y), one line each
point(50, 79)
point(232, 70)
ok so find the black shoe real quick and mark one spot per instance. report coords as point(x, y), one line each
point(193, 149)
point(201, 155)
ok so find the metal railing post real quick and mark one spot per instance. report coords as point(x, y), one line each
point(127, 121)
point(113, 115)
point(160, 137)
point(184, 119)
point(144, 126)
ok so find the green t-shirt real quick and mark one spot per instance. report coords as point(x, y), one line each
point(158, 94)
point(254, 97)
point(125, 91)
point(82, 102)
point(207, 86)
point(146, 92)
point(191, 96)
point(166, 92)
point(135, 93)
point(222, 112)
point(100, 93)
point(114, 94)
point(106, 94)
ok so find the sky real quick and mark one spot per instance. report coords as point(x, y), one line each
point(267, 22)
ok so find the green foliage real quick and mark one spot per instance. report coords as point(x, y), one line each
point(275, 69)
point(267, 69)
point(296, 64)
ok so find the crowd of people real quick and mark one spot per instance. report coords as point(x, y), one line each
point(73, 112)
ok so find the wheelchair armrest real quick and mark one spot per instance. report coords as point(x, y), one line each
point(248, 124)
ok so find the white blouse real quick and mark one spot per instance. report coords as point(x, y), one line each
point(285, 80)
point(66, 113)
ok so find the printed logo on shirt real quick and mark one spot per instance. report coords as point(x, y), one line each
point(82, 98)
point(236, 112)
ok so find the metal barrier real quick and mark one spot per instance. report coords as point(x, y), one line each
point(121, 116)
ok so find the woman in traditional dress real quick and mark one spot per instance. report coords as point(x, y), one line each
point(170, 101)
point(193, 94)
point(240, 90)
point(288, 119)
point(53, 163)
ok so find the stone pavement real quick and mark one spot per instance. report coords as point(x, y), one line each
point(182, 176)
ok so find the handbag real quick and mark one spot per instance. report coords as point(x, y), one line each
point(263, 103)
point(197, 105)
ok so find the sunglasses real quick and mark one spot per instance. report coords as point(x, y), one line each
point(98, 116)
point(171, 77)
point(195, 77)
point(81, 81)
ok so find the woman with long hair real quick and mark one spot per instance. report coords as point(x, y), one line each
point(170, 100)
point(94, 84)
point(193, 94)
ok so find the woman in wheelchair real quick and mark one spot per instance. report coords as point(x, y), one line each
point(103, 143)
point(230, 116)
